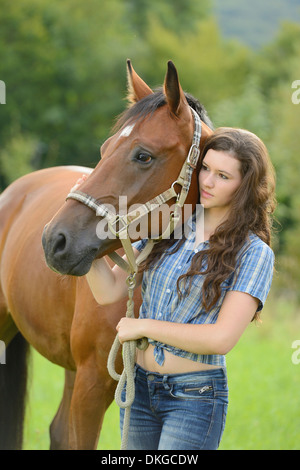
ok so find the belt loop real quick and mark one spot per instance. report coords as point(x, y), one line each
point(165, 382)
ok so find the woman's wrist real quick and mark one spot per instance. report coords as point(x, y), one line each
point(148, 327)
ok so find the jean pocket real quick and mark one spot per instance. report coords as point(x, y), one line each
point(193, 391)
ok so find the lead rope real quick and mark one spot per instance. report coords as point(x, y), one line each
point(129, 347)
point(127, 376)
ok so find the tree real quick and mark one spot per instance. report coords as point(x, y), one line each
point(209, 67)
point(62, 75)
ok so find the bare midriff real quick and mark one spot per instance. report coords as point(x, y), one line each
point(172, 364)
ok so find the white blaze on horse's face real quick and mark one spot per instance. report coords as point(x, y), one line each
point(127, 130)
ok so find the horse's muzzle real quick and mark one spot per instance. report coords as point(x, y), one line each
point(68, 254)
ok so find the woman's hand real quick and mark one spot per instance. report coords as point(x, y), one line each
point(80, 180)
point(130, 329)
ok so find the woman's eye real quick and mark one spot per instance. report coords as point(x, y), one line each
point(224, 177)
point(143, 157)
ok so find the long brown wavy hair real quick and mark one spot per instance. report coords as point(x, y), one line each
point(251, 209)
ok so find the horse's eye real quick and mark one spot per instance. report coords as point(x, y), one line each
point(143, 157)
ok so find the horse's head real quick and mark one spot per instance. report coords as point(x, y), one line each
point(140, 161)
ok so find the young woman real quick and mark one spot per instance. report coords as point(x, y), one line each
point(198, 298)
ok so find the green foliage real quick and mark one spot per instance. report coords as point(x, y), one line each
point(16, 158)
point(62, 76)
point(275, 64)
point(281, 68)
point(254, 23)
point(207, 52)
point(175, 15)
point(248, 110)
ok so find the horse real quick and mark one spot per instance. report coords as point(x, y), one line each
point(47, 245)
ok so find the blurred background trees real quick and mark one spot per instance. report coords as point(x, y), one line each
point(63, 64)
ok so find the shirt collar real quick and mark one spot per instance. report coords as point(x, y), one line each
point(191, 234)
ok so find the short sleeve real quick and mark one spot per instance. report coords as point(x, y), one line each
point(254, 272)
point(140, 244)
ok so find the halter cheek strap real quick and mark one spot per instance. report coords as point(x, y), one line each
point(125, 221)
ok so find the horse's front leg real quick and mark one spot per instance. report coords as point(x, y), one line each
point(59, 428)
point(92, 335)
point(93, 393)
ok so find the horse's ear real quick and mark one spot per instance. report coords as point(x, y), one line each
point(137, 88)
point(175, 97)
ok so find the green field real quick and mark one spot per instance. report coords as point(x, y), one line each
point(264, 409)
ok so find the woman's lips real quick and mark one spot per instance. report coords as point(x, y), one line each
point(205, 194)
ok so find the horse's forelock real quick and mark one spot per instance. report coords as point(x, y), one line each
point(151, 103)
point(141, 109)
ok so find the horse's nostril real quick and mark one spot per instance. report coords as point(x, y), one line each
point(60, 243)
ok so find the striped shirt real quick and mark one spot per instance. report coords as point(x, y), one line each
point(253, 275)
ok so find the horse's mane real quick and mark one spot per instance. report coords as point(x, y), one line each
point(152, 102)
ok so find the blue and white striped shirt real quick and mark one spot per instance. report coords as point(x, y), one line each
point(253, 275)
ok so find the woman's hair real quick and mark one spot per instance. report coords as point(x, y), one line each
point(251, 209)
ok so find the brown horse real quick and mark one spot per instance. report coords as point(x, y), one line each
point(54, 310)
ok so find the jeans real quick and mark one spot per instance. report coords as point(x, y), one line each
point(177, 411)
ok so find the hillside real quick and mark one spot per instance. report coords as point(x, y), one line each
point(254, 22)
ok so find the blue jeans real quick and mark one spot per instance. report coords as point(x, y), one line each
point(177, 411)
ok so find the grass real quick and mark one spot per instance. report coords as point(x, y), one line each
point(264, 410)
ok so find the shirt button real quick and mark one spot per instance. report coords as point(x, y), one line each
point(168, 291)
point(179, 267)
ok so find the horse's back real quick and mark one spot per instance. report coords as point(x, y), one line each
point(32, 200)
point(51, 182)
point(36, 297)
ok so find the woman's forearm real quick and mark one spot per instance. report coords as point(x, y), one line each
point(236, 313)
point(107, 285)
point(197, 339)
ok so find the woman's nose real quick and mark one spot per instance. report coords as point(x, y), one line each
point(209, 180)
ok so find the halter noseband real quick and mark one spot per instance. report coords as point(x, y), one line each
point(124, 221)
